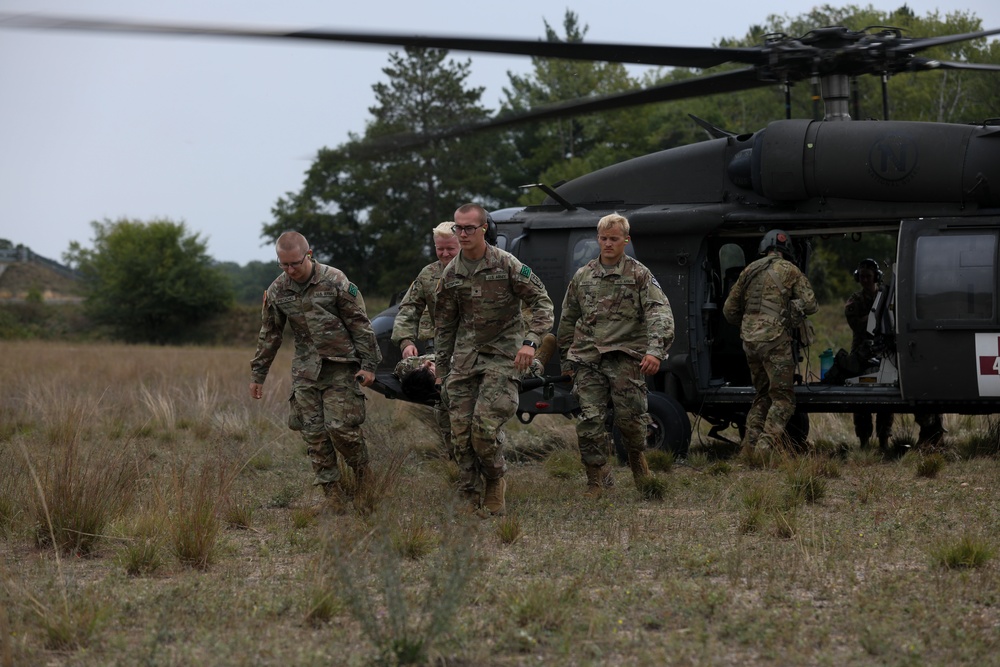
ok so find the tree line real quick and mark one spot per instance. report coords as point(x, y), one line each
point(369, 213)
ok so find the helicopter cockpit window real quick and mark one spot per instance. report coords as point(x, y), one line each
point(954, 277)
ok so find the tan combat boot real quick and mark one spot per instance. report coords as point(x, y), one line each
point(545, 351)
point(597, 479)
point(495, 503)
point(637, 462)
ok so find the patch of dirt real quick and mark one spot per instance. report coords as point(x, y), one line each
point(20, 279)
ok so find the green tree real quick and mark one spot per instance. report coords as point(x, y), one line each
point(369, 212)
point(148, 281)
point(558, 150)
point(250, 281)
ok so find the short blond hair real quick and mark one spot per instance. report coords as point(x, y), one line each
point(444, 230)
point(613, 220)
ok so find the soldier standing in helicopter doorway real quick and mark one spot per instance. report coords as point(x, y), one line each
point(770, 299)
point(856, 311)
point(616, 326)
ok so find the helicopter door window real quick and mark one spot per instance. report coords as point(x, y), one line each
point(955, 277)
point(501, 242)
point(585, 250)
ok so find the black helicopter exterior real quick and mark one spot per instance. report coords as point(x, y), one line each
point(935, 187)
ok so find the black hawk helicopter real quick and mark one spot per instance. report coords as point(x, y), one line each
point(697, 213)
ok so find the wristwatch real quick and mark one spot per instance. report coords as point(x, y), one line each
point(529, 343)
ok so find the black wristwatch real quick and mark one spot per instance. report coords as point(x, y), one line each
point(529, 343)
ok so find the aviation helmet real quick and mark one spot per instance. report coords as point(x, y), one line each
point(871, 265)
point(777, 238)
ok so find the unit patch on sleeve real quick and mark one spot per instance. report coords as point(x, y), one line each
point(352, 290)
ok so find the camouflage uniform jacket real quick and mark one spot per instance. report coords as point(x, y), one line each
point(481, 313)
point(856, 312)
point(764, 309)
point(411, 364)
point(616, 309)
point(415, 319)
point(328, 319)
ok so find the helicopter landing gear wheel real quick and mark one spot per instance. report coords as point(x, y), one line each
point(671, 428)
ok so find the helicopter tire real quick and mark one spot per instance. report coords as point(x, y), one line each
point(672, 428)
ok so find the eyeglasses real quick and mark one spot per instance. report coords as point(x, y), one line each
point(292, 265)
point(465, 230)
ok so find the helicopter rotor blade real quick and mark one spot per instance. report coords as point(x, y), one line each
point(674, 56)
point(724, 82)
point(922, 43)
point(928, 64)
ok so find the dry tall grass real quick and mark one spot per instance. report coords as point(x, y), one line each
point(151, 513)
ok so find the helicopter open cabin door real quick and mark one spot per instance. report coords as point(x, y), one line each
point(948, 333)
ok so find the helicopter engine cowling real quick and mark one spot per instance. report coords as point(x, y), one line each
point(794, 160)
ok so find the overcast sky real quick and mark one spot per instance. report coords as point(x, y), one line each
point(211, 132)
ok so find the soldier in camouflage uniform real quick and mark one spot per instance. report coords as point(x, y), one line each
point(856, 310)
point(335, 349)
point(481, 346)
point(616, 326)
point(415, 319)
point(769, 300)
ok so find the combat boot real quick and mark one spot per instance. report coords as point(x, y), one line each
point(362, 479)
point(598, 477)
point(496, 489)
point(546, 349)
point(334, 498)
point(637, 462)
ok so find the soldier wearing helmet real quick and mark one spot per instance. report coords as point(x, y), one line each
point(770, 299)
point(868, 275)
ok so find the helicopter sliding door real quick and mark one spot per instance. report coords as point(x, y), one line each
point(948, 333)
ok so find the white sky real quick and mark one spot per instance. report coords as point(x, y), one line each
point(211, 132)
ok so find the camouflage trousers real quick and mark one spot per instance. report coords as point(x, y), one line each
point(615, 380)
point(772, 370)
point(444, 422)
point(479, 403)
point(329, 413)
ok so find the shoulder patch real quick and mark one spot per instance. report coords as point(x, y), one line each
point(352, 289)
point(525, 271)
point(655, 282)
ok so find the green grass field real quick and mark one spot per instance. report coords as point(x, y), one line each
point(151, 513)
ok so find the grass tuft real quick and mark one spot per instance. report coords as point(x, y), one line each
point(562, 464)
point(930, 465)
point(80, 493)
point(967, 552)
point(509, 529)
point(659, 460)
point(414, 540)
point(651, 487)
point(805, 481)
point(400, 634)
